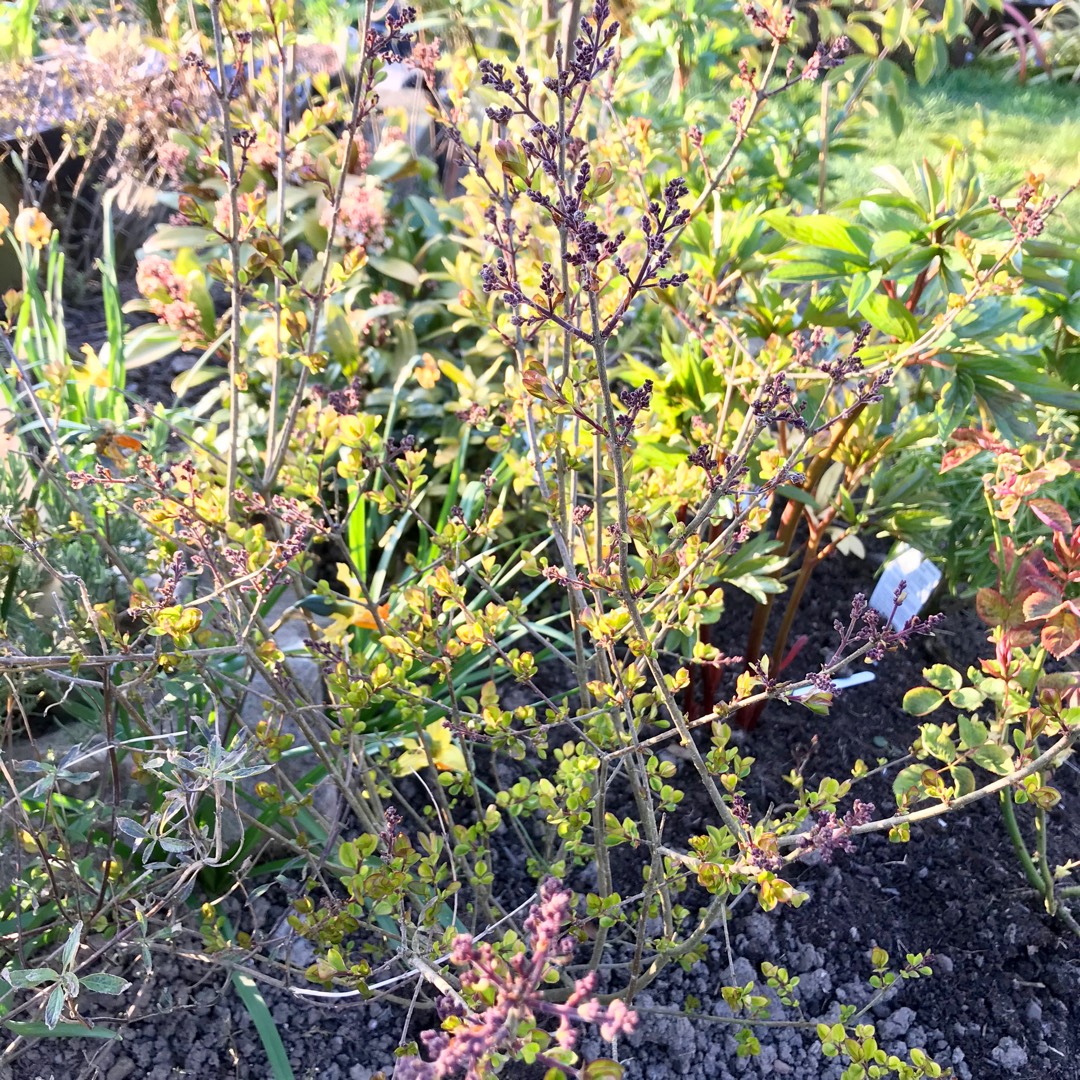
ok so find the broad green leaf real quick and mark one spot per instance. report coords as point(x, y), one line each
point(821, 266)
point(892, 25)
point(954, 19)
point(398, 269)
point(817, 702)
point(175, 844)
point(821, 230)
point(71, 946)
point(994, 758)
point(895, 115)
point(954, 405)
point(174, 237)
point(967, 697)
point(896, 180)
point(964, 779)
point(148, 343)
point(943, 677)
point(1045, 798)
point(863, 37)
point(890, 317)
point(862, 285)
point(907, 779)
point(26, 978)
point(883, 214)
point(925, 59)
point(922, 700)
point(892, 245)
point(937, 743)
point(132, 828)
point(101, 982)
point(973, 732)
point(602, 1069)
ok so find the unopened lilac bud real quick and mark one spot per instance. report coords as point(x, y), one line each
point(603, 180)
point(1049, 701)
point(511, 159)
point(639, 527)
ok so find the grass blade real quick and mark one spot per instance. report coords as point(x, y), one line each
point(259, 1012)
point(35, 1029)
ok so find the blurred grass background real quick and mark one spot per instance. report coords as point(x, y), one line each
point(1013, 129)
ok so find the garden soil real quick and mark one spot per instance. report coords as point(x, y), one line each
point(1004, 999)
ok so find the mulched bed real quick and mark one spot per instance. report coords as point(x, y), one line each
point(1004, 999)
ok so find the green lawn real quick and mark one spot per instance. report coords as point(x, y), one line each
point(1032, 128)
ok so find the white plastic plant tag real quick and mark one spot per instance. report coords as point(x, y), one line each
point(921, 575)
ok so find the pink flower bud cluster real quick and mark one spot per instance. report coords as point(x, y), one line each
point(361, 219)
point(515, 989)
point(169, 299)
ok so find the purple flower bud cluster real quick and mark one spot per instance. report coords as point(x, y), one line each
point(776, 403)
point(383, 44)
point(474, 415)
point(1029, 216)
point(830, 834)
point(825, 58)
point(387, 834)
point(634, 402)
point(844, 367)
point(346, 402)
point(177, 570)
point(867, 625)
point(398, 448)
point(777, 26)
point(765, 860)
point(593, 51)
point(495, 277)
point(548, 168)
point(333, 656)
point(724, 473)
point(738, 110)
point(494, 76)
point(704, 458)
point(200, 545)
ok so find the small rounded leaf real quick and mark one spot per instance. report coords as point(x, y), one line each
point(921, 700)
point(964, 779)
point(967, 697)
point(994, 758)
point(602, 1069)
point(943, 677)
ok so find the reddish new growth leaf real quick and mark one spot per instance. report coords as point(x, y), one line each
point(1035, 601)
point(971, 442)
point(997, 610)
point(1061, 635)
point(1051, 513)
